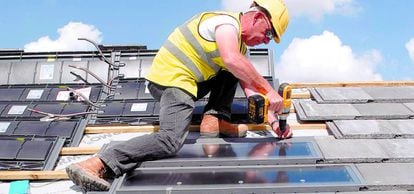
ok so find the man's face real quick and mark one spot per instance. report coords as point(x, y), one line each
point(260, 31)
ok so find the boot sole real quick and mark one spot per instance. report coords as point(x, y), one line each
point(86, 180)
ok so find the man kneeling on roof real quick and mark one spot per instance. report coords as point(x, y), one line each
point(205, 54)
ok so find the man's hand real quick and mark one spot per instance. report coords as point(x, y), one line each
point(286, 134)
point(275, 101)
point(275, 126)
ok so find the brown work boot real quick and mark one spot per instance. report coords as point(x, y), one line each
point(89, 174)
point(230, 130)
point(209, 126)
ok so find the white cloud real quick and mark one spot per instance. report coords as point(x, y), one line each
point(316, 9)
point(324, 58)
point(236, 5)
point(410, 48)
point(313, 9)
point(68, 39)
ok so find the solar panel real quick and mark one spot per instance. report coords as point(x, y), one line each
point(35, 94)
point(31, 128)
point(34, 150)
point(242, 152)
point(95, 93)
point(29, 152)
point(49, 108)
point(7, 127)
point(10, 94)
point(143, 92)
point(93, 96)
point(247, 150)
point(112, 109)
point(2, 107)
point(257, 179)
point(16, 110)
point(127, 90)
point(9, 149)
point(157, 109)
point(138, 109)
point(71, 108)
point(61, 129)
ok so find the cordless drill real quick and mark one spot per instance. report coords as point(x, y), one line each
point(258, 107)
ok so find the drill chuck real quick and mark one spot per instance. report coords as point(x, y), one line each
point(285, 91)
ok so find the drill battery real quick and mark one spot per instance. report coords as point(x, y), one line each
point(257, 108)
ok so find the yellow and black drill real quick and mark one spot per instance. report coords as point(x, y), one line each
point(258, 107)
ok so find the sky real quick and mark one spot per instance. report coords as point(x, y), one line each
point(326, 40)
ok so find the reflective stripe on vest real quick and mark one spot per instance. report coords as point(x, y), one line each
point(199, 49)
point(174, 50)
point(192, 40)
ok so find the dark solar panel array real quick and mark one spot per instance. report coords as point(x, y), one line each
point(29, 152)
point(42, 93)
point(27, 142)
point(55, 128)
point(20, 110)
point(132, 98)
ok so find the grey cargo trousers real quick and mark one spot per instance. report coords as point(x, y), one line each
point(176, 110)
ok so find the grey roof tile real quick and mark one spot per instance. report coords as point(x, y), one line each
point(400, 150)
point(383, 111)
point(350, 150)
point(340, 95)
point(388, 176)
point(391, 94)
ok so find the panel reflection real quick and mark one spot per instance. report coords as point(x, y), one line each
point(260, 150)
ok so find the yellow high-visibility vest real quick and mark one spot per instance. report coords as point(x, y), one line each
point(186, 58)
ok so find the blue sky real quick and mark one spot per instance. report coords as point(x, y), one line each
point(327, 40)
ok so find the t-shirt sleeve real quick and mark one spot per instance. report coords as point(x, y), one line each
point(208, 27)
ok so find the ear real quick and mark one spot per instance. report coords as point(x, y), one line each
point(256, 16)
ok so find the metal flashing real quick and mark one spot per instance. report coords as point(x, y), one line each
point(100, 68)
point(22, 72)
point(4, 72)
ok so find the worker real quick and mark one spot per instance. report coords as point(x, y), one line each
point(205, 54)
